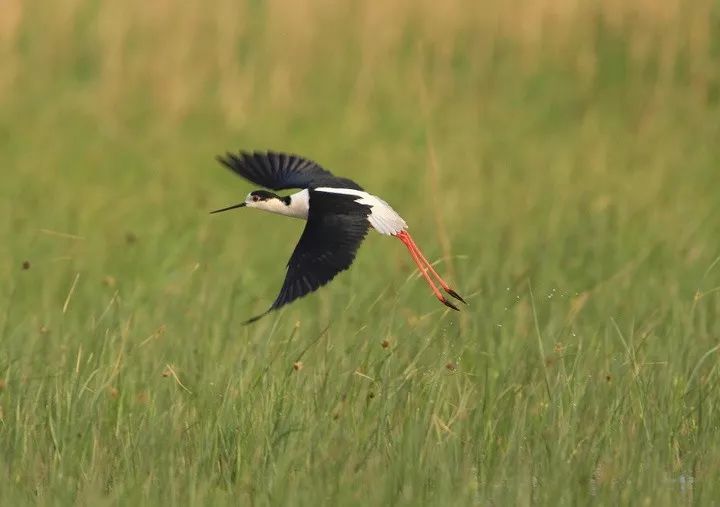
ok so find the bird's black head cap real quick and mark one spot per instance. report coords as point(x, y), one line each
point(255, 197)
point(263, 195)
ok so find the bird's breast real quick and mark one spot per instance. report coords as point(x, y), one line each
point(299, 205)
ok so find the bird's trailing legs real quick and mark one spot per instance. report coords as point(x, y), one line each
point(423, 271)
point(443, 284)
point(424, 267)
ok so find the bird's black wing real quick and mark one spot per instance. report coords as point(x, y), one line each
point(335, 228)
point(279, 171)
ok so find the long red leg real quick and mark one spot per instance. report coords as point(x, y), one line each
point(423, 270)
point(443, 283)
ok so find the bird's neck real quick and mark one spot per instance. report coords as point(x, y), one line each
point(295, 205)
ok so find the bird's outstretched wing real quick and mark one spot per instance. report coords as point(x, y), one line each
point(279, 171)
point(335, 229)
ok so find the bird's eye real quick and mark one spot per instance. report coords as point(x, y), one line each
point(255, 198)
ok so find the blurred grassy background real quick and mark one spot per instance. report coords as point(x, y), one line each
point(559, 158)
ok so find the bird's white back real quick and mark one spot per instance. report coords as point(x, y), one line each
point(383, 218)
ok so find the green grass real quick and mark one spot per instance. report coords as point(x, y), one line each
point(575, 203)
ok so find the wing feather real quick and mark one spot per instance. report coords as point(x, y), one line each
point(336, 227)
point(279, 171)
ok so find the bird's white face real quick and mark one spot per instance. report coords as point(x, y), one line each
point(295, 206)
point(252, 201)
point(264, 201)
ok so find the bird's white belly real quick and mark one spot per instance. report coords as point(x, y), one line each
point(382, 217)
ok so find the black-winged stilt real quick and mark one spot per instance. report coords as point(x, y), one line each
point(338, 213)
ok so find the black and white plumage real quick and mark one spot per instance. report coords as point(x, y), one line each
point(339, 214)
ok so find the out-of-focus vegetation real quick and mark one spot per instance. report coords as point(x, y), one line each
point(558, 159)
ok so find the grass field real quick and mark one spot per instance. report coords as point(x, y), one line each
point(559, 161)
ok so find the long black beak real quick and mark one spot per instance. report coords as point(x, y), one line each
point(241, 205)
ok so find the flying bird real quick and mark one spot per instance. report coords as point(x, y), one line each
point(339, 214)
